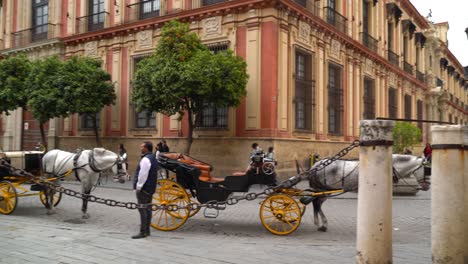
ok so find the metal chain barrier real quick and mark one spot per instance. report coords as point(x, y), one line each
point(218, 205)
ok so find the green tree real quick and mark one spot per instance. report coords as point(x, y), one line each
point(14, 72)
point(87, 88)
point(46, 89)
point(405, 135)
point(183, 76)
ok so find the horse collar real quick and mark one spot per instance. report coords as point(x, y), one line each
point(91, 162)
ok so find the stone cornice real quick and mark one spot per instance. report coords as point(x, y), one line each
point(56, 42)
point(412, 12)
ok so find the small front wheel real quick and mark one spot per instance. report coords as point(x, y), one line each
point(280, 214)
point(8, 197)
point(57, 198)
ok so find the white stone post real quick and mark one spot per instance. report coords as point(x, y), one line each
point(449, 201)
point(374, 220)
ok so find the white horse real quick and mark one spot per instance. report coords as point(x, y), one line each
point(344, 174)
point(87, 166)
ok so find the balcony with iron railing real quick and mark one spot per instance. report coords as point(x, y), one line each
point(210, 2)
point(309, 5)
point(91, 22)
point(336, 19)
point(369, 41)
point(408, 68)
point(34, 34)
point(393, 58)
point(143, 10)
point(420, 76)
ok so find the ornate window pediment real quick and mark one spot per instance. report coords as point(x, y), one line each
point(409, 26)
point(420, 38)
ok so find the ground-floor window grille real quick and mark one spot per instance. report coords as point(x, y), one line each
point(392, 103)
point(420, 113)
point(213, 117)
point(87, 121)
point(335, 100)
point(408, 106)
point(369, 99)
point(303, 92)
point(145, 119)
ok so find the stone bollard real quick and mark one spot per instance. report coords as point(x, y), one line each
point(449, 201)
point(374, 219)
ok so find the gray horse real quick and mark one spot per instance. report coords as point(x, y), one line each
point(87, 166)
point(344, 174)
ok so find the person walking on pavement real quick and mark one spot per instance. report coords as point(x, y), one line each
point(427, 152)
point(145, 185)
point(164, 146)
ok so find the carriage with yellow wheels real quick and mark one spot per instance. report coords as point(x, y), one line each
point(194, 188)
point(15, 183)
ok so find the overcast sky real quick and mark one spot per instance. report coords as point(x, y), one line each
point(456, 13)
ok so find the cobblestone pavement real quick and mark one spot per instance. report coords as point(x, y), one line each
point(236, 236)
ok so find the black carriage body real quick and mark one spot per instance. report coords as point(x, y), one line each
point(205, 191)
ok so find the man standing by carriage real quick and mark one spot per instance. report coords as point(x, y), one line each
point(145, 185)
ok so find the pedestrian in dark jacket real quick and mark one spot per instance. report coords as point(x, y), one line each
point(164, 146)
point(145, 185)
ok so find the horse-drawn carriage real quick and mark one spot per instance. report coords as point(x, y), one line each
point(18, 172)
point(280, 212)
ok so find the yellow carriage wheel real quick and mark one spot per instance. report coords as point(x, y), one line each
point(8, 198)
point(280, 214)
point(170, 192)
point(57, 198)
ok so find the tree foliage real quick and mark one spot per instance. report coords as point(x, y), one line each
point(87, 88)
point(405, 135)
point(183, 76)
point(51, 88)
point(46, 92)
point(14, 72)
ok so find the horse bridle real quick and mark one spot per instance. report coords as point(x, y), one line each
point(118, 162)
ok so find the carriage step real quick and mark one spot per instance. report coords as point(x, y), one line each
point(210, 213)
point(37, 187)
point(306, 199)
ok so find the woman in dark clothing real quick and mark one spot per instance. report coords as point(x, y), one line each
point(427, 152)
point(123, 153)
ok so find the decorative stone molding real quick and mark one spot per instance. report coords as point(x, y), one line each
point(91, 49)
point(335, 48)
point(304, 32)
point(252, 13)
point(144, 39)
point(369, 65)
point(212, 27)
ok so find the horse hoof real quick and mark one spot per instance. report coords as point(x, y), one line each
point(51, 212)
point(85, 216)
point(322, 228)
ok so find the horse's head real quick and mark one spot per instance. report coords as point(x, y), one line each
point(407, 165)
point(114, 163)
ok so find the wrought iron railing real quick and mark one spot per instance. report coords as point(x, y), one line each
point(408, 67)
point(336, 19)
point(34, 34)
point(369, 41)
point(91, 22)
point(439, 82)
point(420, 76)
point(309, 5)
point(393, 58)
point(211, 2)
point(143, 10)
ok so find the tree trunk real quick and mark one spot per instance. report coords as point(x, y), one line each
point(43, 136)
point(190, 132)
point(96, 131)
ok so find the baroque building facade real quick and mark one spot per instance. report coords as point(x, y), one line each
point(316, 68)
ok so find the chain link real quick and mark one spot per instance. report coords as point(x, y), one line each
point(218, 205)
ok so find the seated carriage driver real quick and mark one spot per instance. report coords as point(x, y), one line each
point(145, 185)
point(256, 150)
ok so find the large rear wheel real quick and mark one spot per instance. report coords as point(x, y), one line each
point(280, 214)
point(8, 197)
point(170, 193)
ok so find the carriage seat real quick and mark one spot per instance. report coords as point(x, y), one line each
point(204, 168)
